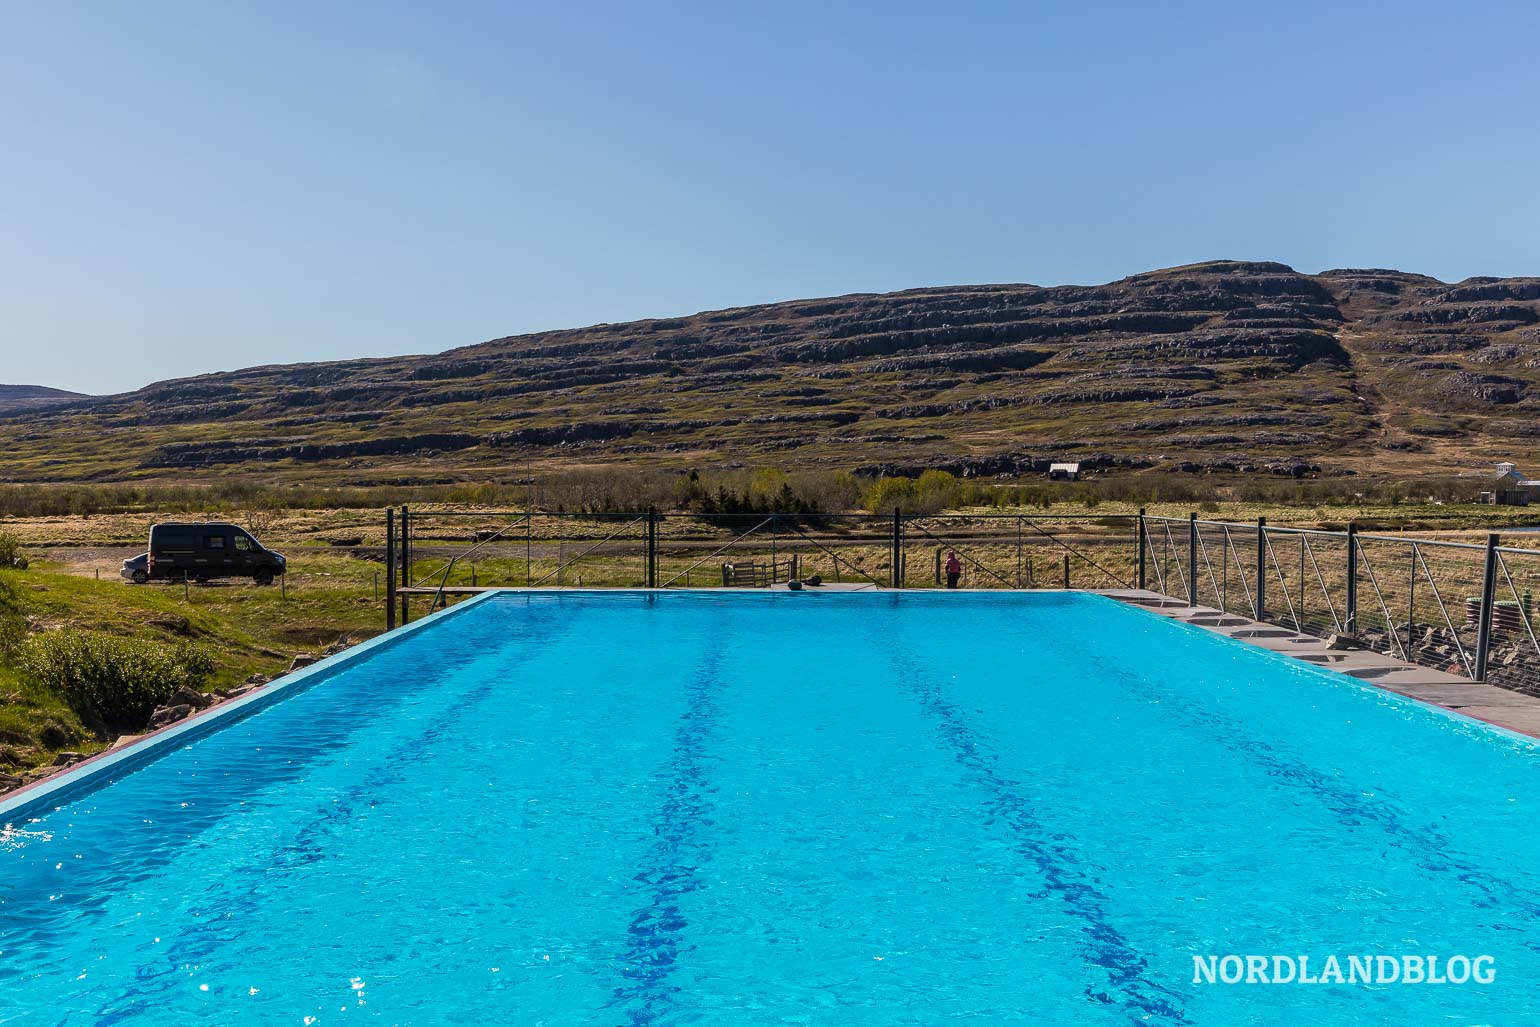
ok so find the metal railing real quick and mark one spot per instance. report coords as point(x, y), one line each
point(440, 554)
point(1460, 607)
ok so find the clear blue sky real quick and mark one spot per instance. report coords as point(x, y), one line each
point(197, 187)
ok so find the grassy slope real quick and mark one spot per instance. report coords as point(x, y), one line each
point(251, 630)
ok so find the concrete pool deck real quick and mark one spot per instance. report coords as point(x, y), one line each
point(1501, 707)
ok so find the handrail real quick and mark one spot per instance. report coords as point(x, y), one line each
point(438, 596)
point(1267, 545)
point(1524, 615)
point(1208, 565)
point(493, 537)
point(715, 552)
point(1052, 538)
point(1390, 621)
point(954, 548)
point(1449, 623)
point(608, 538)
point(1402, 539)
point(835, 556)
point(1320, 578)
point(1177, 560)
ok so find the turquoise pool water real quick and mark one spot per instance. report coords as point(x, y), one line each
point(691, 808)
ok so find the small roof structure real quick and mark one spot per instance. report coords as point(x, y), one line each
point(1509, 472)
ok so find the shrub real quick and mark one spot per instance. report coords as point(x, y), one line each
point(930, 494)
point(886, 493)
point(114, 683)
point(10, 551)
point(13, 626)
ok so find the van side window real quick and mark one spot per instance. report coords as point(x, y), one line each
point(243, 543)
point(213, 542)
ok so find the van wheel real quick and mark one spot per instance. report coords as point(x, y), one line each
point(140, 577)
point(264, 576)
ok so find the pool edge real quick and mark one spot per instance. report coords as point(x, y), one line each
point(29, 800)
point(1336, 675)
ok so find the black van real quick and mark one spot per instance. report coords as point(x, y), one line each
point(212, 549)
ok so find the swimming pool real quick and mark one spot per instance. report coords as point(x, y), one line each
point(719, 808)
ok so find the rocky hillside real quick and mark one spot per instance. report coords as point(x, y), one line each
point(1227, 365)
point(14, 398)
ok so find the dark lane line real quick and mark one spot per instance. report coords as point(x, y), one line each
point(1109, 954)
point(1429, 848)
point(681, 847)
point(219, 917)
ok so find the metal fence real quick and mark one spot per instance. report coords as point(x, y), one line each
point(1455, 606)
point(1459, 607)
point(437, 554)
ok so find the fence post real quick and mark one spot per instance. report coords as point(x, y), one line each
point(1351, 613)
point(406, 562)
point(1141, 539)
point(1019, 583)
point(390, 569)
point(774, 521)
point(1066, 571)
point(652, 547)
point(898, 548)
point(1488, 596)
point(1261, 568)
point(1192, 559)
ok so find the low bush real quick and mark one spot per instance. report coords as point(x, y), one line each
point(10, 551)
point(114, 683)
point(13, 626)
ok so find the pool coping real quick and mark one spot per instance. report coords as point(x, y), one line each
point(1511, 713)
point(29, 800)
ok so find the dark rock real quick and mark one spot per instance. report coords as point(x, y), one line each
point(301, 660)
point(185, 696)
point(1479, 388)
point(168, 715)
point(68, 759)
point(205, 454)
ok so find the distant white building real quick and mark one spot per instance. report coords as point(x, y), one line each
point(1064, 472)
point(1510, 487)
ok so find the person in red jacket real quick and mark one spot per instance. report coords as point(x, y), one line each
point(953, 569)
